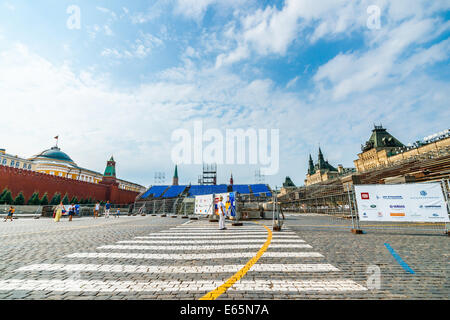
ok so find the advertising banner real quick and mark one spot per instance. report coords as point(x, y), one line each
point(203, 204)
point(229, 200)
point(414, 202)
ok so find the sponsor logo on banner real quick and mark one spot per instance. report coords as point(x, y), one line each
point(397, 214)
point(397, 206)
point(423, 193)
point(392, 197)
point(365, 215)
point(365, 195)
point(373, 206)
point(430, 206)
point(380, 214)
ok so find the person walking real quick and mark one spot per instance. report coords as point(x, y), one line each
point(10, 214)
point(107, 209)
point(96, 210)
point(222, 213)
point(77, 209)
point(117, 213)
point(59, 210)
point(71, 211)
point(130, 209)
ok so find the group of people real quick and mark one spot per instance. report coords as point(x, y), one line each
point(71, 211)
point(107, 210)
point(75, 209)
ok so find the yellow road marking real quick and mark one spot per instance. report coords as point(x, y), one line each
point(214, 294)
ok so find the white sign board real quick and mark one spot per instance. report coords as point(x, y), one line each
point(415, 202)
point(204, 204)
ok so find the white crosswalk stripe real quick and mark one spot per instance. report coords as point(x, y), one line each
point(198, 256)
point(218, 232)
point(179, 269)
point(215, 237)
point(177, 286)
point(201, 247)
point(225, 241)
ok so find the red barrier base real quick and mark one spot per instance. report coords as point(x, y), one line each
point(193, 218)
point(357, 231)
point(173, 216)
point(164, 215)
point(212, 220)
point(237, 224)
point(184, 217)
point(276, 228)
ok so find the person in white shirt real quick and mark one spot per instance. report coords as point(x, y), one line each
point(96, 210)
point(222, 213)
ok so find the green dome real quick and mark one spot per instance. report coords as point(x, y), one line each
point(55, 153)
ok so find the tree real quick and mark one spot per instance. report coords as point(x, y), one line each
point(19, 200)
point(44, 200)
point(3, 194)
point(65, 200)
point(74, 200)
point(7, 198)
point(34, 199)
point(56, 199)
point(89, 200)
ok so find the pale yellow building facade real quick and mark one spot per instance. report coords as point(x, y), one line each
point(385, 155)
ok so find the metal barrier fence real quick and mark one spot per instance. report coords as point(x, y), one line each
point(248, 206)
point(172, 206)
point(47, 210)
point(22, 211)
point(334, 206)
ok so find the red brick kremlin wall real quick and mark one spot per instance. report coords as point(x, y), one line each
point(17, 180)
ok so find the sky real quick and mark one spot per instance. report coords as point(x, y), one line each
point(120, 77)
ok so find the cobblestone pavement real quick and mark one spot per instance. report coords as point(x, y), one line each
point(165, 258)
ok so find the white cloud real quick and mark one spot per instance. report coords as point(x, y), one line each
point(9, 6)
point(272, 30)
point(108, 30)
point(378, 66)
point(196, 9)
point(292, 82)
point(112, 14)
point(141, 47)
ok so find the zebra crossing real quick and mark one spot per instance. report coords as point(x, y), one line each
point(194, 257)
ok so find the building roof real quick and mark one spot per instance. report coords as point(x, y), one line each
point(379, 139)
point(55, 153)
point(288, 183)
point(110, 170)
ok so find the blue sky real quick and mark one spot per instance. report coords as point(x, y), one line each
point(136, 71)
